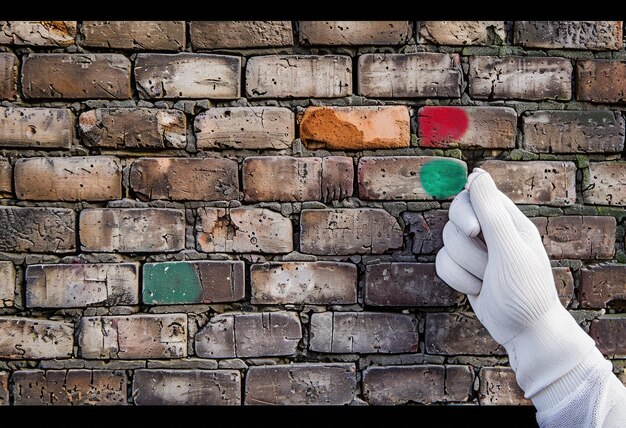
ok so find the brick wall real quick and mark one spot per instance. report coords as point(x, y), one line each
point(231, 212)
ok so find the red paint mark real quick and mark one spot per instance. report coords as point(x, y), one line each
point(441, 126)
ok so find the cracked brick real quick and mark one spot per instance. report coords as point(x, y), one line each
point(363, 333)
point(426, 384)
point(558, 131)
point(133, 128)
point(187, 387)
point(417, 75)
point(602, 285)
point(139, 35)
point(185, 179)
point(38, 230)
point(32, 338)
point(517, 77)
point(249, 335)
point(78, 178)
point(426, 230)
point(188, 75)
point(301, 384)
point(245, 229)
point(76, 76)
point(592, 35)
point(8, 76)
point(138, 336)
point(38, 33)
point(82, 285)
point(245, 128)
point(240, 34)
point(535, 182)
point(298, 76)
point(69, 387)
point(462, 33)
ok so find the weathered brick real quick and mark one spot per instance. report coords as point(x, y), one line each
point(407, 284)
point(398, 177)
point(133, 128)
point(185, 179)
point(132, 230)
point(347, 231)
point(7, 285)
point(577, 237)
point(282, 178)
point(355, 128)
point(8, 76)
point(81, 285)
point(6, 178)
point(31, 338)
point(249, 335)
point(240, 34)
point(601, 81)
point(363, 333)
point(499, 387)
point(396, 385)
point(298, 76)
point(535, 182)
point(193, 282)
point(301, 384)
point(313, 283)
point(601, 285)
point(38, 33)
point(187, 387)
point(458, 333)
point(609, 332)
point(425, 230)
point(78, 76)
point(36, 127)
point(460, 33)
point(467, 127)
point(141, 35)
point(77, 178)
point(337, 178)
point(564, 283)
point(69, 387)
point(417, 75)
point(520, 77)
point(245, 128)
point(38, 230)
point(137, 336)
point(593, 35)
point(244, 229)
point(4, 388)
point(605, 184)
point(188, 75)
point(354, 33)
point(563, 131)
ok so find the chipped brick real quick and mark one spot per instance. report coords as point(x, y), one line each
point(354, 33)
point(38, 230)
point(30, 338)
point(458, 333)
point(45, 128)
point(240, 34)
point(140, 35)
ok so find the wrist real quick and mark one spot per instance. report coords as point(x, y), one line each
point(547, 349)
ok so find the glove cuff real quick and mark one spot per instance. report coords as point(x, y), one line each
point(592, 366)
point(547, 349)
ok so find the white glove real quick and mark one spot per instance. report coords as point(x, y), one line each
point(508, 281)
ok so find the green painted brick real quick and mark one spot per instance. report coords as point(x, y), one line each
point(171, 283)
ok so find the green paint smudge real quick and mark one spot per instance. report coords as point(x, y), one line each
point(170, 283)
point(442, 178)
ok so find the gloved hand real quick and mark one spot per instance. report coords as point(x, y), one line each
point(508, 281)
